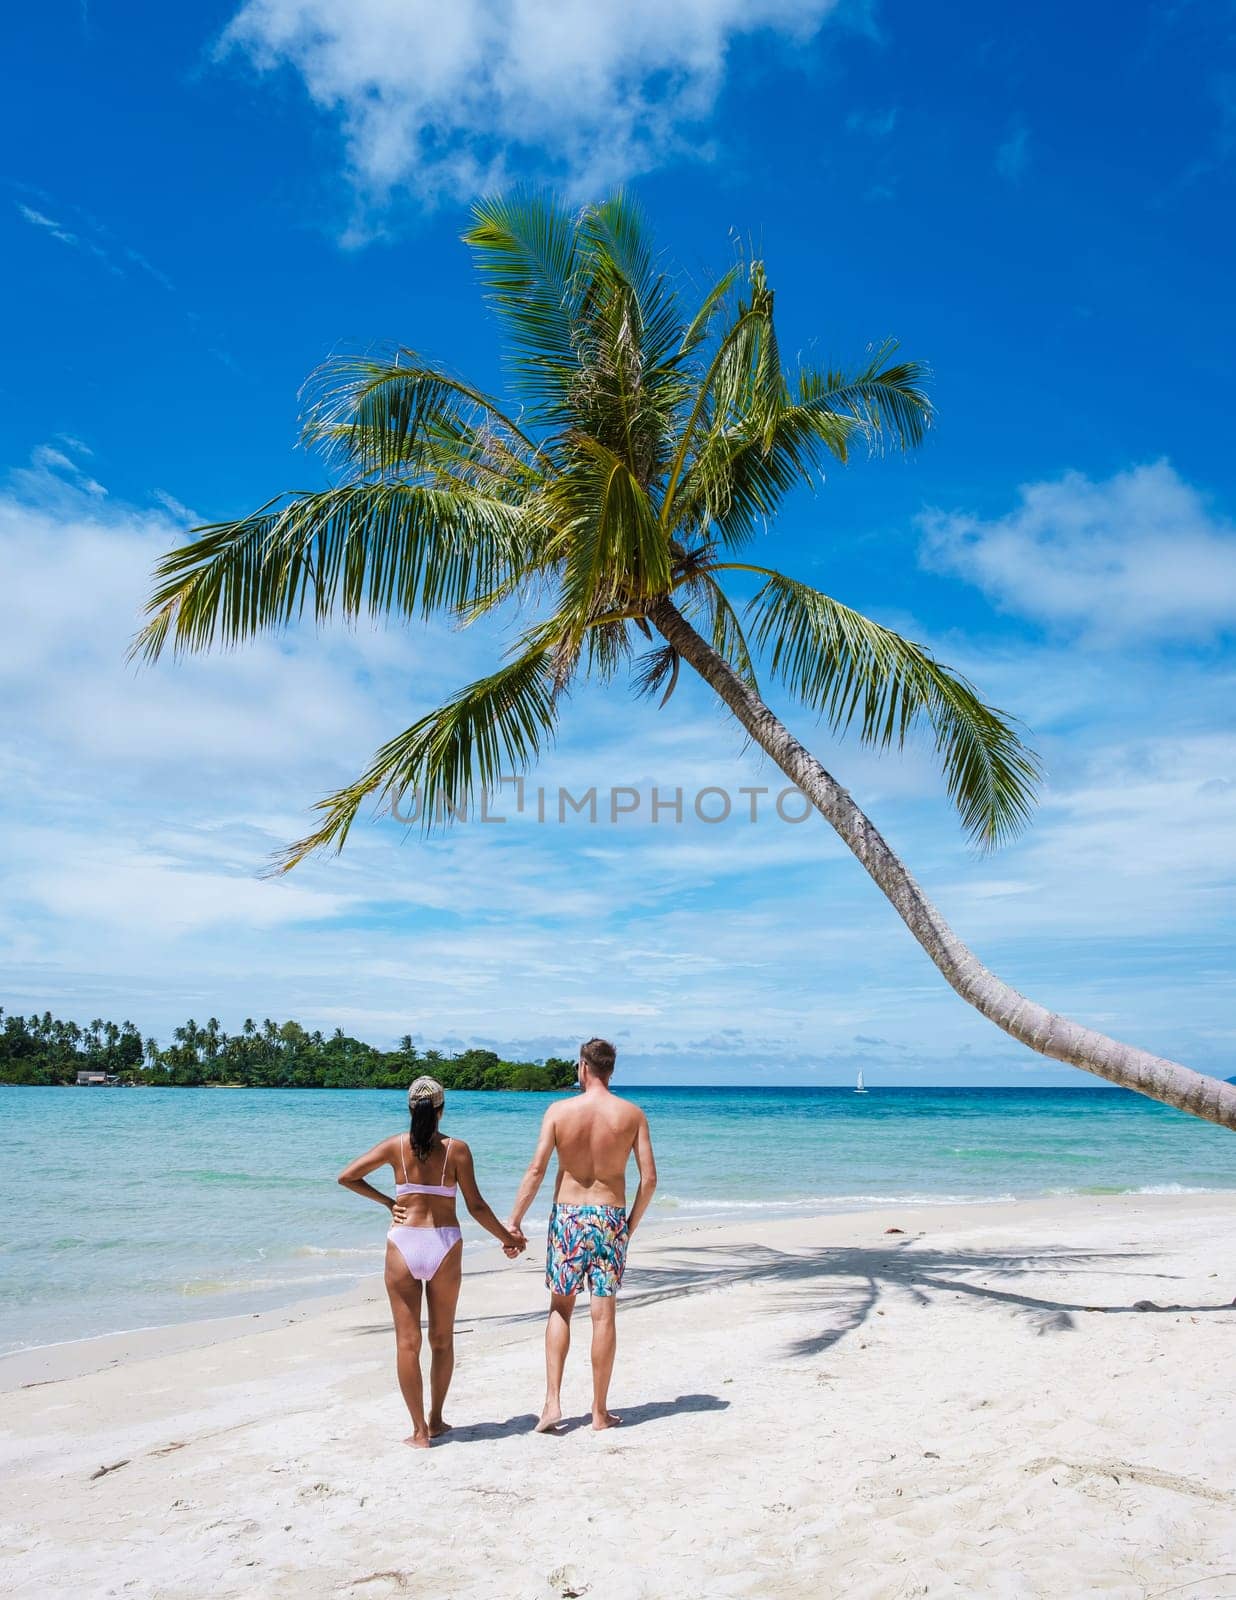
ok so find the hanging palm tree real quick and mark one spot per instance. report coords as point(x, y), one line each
point(613, 509)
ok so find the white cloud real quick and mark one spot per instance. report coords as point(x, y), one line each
point(1140, 555)
point(448, 100)
point(93, 240)
point(82, 878)
point(51, 471)
point(36, 219)
point(1139, 839)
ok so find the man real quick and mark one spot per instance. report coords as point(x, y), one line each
point(589, 1226)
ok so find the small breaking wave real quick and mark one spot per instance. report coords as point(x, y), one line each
point(318, 1250)
point(1132, 1188)
point(821, 1202)
point(1175, 1188)
point(241, 1180)
point(199, 1287)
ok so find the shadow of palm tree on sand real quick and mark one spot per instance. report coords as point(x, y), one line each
point(846, 1285)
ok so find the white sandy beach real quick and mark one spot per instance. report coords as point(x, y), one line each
point(812, 1409)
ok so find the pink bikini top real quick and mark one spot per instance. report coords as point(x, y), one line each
point(447, 1190)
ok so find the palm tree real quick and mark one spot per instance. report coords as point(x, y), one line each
point(613, 508)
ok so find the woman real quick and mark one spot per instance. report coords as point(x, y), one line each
point(425, 1246)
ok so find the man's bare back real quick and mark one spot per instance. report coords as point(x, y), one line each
point(594, 1137)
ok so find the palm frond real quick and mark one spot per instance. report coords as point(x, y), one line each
point(657, 669)
point(620, 251)
point(757, 443)
point(389, 548)
point(851, 670)
point(631, 380)
point(526, 250)
point(885, 397)
point(614, 551)
point(384, 416)
point(726, 634)
point(735, 385)
point(700, 326)
point(607, 646)
point(494, 728)
point(741, 472)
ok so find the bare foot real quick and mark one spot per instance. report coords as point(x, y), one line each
point(418, 1441)
point(603, 1420)
point(551, 1420)
point(437, 1427)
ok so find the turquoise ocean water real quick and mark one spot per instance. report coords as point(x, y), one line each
point(132, 1208)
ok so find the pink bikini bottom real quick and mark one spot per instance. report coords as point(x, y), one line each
point(424, 1249)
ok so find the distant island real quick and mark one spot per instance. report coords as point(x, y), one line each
point(42, 1050)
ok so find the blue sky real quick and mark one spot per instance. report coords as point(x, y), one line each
point(200, 203)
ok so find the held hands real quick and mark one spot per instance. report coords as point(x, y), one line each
point(401, 1214)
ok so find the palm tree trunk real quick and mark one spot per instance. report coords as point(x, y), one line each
point(1030, 1023)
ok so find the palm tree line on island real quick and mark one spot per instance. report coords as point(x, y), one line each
point(43, 1050)
point(609, 512)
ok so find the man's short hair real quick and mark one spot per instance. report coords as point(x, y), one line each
point(598, 1055)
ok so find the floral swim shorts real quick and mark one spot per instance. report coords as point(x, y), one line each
point(587, 1244)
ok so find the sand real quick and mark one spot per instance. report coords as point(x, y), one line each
point(972, 1407)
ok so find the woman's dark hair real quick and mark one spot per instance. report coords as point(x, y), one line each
point(424, 1127)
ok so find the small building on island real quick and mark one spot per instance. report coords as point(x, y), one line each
point(96, 1080)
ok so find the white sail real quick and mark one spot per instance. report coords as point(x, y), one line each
point(858, 1087)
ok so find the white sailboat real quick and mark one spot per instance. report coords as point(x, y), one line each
point(859, 1087)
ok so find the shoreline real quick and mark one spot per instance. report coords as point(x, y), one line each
point(292, 1302)
point(62, 1360)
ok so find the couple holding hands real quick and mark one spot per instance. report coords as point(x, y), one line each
point(594, 1135)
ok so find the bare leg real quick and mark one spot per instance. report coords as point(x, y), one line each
point(557, 1343)
point(604, 1344)
point(442, 1293)
point(405, 1297)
